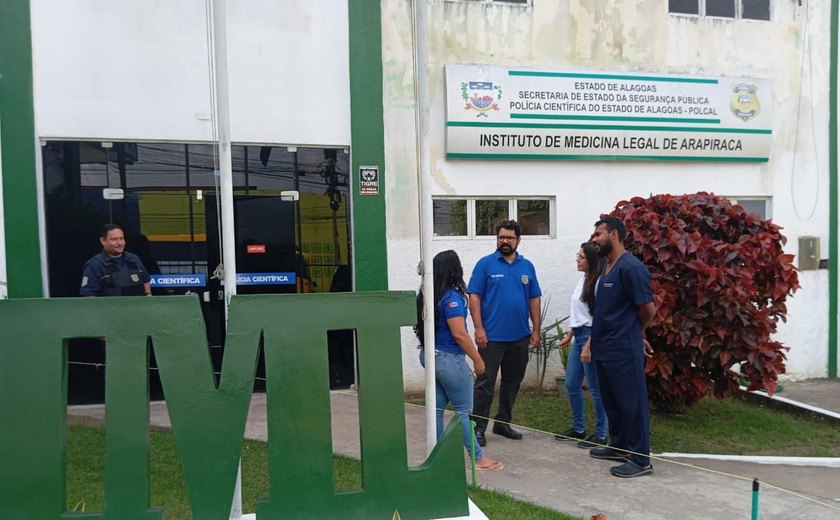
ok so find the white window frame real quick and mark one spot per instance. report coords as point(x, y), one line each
point(739, 12)
point(768, 202)
point(512, 214)
point(527, 3)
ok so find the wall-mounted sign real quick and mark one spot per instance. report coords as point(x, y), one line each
point(255, 249)
point(369, 180)
point(265, 278)
point(501, 113)
point(178, 280)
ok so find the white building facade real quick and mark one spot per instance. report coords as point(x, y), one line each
point(790, 52)
point(338, 77)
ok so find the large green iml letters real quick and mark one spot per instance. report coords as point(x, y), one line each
point(208, 419)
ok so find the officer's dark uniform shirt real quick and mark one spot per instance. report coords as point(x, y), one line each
point(107, 276)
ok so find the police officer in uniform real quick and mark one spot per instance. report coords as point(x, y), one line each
point(114, 271)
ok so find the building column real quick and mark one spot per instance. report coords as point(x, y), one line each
point(367, 136)
point(17, 142)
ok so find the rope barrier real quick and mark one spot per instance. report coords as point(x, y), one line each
point(675, 462)
point(595, 444)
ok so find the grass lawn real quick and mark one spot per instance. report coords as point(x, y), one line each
point(728, 427)
point(86, 465)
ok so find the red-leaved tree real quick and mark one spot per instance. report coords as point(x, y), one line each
point(720, 281)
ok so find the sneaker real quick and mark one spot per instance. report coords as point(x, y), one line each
point(593, 441)
point(630, 469)
point(570, 435)
point(609, 453)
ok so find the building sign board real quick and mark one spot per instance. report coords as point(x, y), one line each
point(503, 113)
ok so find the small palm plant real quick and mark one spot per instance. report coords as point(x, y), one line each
point(550, 335)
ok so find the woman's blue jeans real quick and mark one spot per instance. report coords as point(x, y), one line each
point(575, 370)
point(454, 384)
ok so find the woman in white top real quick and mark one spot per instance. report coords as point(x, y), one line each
point(580, 322)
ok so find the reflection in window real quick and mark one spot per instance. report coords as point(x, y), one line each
point(450, 217)
point(534, 216)
point(170, 199)
point(684, 6)
point(489, 214)
point(721, 8)
point(756, 9)
point(749, 9)
point(754, 207)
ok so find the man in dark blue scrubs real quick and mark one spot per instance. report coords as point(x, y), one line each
point(504, 294)
point(623, 310)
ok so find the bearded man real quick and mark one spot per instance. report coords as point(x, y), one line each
point(504, 294)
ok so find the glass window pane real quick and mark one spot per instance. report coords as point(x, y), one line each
point(756, 9)
point(534, 216)
point(266, 169)
point(324, 219)
point(150, 165)
point(754, 207)
point(722, 8)
point(93, 163)
point(684, 6)
point(201, 164)
point(450, 217)
point(488, 214)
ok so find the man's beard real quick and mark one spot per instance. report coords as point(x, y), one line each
point(506, 249)
point(605, 249)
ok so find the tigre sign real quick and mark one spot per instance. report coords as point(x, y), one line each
point(208, 420)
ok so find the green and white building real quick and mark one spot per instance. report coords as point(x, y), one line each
point(545, 111)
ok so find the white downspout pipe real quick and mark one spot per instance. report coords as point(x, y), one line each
point(421, 81)
point(220, 77)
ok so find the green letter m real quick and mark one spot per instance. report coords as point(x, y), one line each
point(208, 419)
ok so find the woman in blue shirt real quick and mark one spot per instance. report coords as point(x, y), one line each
point(453, 378)
point(580, 328)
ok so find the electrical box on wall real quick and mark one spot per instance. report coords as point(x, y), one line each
point(809, 253)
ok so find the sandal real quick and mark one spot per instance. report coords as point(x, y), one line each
point(493, 466)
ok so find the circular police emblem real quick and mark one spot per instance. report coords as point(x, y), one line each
point(525, 279)
point(135, 278)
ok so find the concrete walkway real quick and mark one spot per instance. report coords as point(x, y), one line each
point(562, 477)
point(821, 393)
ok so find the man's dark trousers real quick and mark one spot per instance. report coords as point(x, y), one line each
point(512, 357)
point(624, 394)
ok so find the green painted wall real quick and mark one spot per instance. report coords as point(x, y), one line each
point(368, 143)
point(17, 137)
point(832, 197)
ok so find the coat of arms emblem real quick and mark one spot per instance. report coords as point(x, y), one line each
point(481, 96)
point(744, 102)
